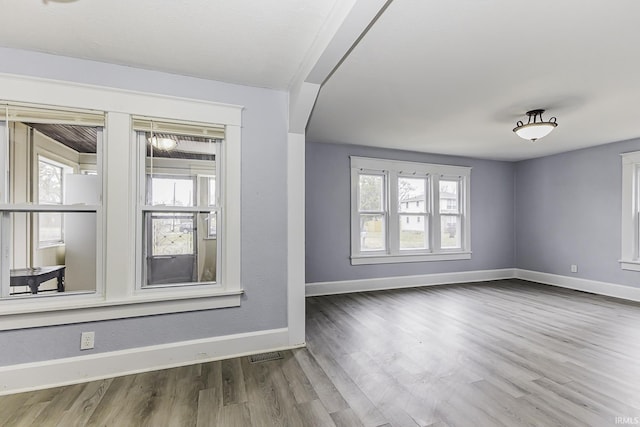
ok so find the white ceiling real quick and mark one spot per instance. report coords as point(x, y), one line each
point(253, 42)
point(453, 77)
point(437, 76)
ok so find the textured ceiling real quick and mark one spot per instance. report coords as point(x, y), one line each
point(253, 42)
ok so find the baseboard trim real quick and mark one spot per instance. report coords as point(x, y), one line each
point(383, 283)
point(73, 370)
point(585, 285)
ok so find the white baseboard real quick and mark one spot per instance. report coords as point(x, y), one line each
point(73, 370)
point(592, 286)
point(382, 283)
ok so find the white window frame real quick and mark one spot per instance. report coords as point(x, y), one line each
point(630, 233)
point(392, 170)
point(117, 297)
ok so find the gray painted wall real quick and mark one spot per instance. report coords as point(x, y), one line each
point(328, 215)
point(568, 211)
point(264, 227)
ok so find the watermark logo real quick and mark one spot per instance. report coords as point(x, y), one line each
point(632, 421)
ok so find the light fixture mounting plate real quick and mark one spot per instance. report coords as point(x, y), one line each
point(535, 112)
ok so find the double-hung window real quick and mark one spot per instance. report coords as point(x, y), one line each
point(165, 237)
point(178, 207)
point(630, 257)
point(408, 212)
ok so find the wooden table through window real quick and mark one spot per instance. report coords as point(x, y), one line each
point(34, 277)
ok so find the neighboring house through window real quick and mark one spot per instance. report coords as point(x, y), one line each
point(408, 212)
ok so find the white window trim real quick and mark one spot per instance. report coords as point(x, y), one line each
point(392, 169)
point(630, 233)
point(117, 297)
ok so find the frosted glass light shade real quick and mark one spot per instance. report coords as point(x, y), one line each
point(534, 131)
point(163, 143)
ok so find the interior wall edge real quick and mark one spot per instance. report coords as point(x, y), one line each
point(72, 370)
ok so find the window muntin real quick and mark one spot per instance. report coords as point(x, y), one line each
point(40, 257)
point(421, 211)
point(178, 217)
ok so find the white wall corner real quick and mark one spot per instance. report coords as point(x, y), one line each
point(296, 238)
point(585, 285)
point(78, 369)
point(347, 23)
point(383, 283)
point(302, 98)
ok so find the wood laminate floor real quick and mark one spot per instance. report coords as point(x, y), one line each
point(507, 353)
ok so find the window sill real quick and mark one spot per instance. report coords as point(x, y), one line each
point(44, 245)
point(392, 259)
point(64, 309)
point(630, 265)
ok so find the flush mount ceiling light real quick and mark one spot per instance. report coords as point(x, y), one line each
point(163, 143)
point(535, 128)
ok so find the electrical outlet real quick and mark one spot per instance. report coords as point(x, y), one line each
point(87, 340)
point(574, 268)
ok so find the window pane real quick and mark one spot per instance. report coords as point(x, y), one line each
point(371, 193)
point(413, 232)
point(171, 191)
point(171, 234)
point(372, 232)
point(212, 192)
point(50, 228)
point(411, 195)
point(212, 225)
point(449, 231)
point(178, 168)
point(49, 183)
point(50, 191)
point(51, 270)
point(449, 196)
point(176, 252)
